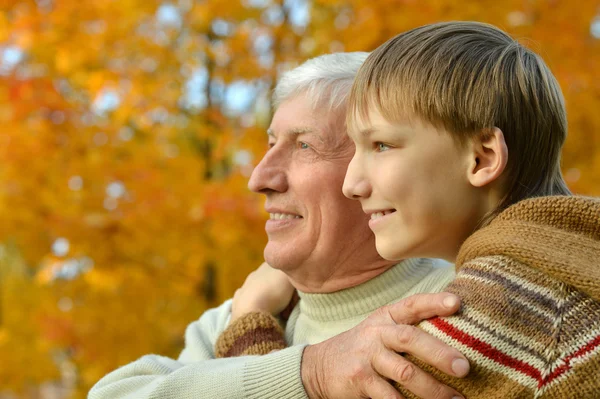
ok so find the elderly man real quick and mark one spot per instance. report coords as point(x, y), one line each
point(322, 242)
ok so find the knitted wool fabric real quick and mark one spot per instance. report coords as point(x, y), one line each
point(255, 333)
point(530, 286)
point(530, 317)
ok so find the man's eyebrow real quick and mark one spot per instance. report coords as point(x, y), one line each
point(297, 131)
point(300, 130)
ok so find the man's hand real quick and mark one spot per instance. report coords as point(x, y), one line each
point(265, 289)
point(360, 362)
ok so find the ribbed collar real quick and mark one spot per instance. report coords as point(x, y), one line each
point(366, 297)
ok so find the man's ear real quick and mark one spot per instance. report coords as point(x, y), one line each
point(489, 156)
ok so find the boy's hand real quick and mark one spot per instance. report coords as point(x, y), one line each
point(265, 289)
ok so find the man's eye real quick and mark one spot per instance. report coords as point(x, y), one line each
point(271, 145)
point(303, 145)
point(380, 147)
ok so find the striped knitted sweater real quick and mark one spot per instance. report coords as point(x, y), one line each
point(530, 320)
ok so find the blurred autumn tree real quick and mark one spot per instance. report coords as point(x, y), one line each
point(129, 129)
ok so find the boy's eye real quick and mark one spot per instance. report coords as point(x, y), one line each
point(379, 146)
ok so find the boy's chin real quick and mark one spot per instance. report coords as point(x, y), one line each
point(389, 251)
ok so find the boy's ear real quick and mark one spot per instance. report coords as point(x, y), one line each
point(489, 156)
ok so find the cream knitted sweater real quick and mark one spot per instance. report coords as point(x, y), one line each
point(197, 374)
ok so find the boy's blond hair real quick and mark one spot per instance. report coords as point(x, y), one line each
point(469, 77)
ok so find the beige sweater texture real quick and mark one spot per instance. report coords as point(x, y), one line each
point(198, 374)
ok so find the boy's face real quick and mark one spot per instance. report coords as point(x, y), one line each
point(412, 179)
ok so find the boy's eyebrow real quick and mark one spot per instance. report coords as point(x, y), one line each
point(401, 130)
point(367, 132)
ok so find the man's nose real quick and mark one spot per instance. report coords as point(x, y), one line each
point(356, 186)
point(270, 175)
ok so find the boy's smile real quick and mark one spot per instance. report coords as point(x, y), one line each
point(412, 179)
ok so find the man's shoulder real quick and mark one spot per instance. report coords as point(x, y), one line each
point(441, 274)
point(214, 319)
point(442, 264)
point(201, 334)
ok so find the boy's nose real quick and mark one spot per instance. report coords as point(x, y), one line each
point(355, 185)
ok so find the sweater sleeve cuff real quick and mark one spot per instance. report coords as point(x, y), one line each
point(275, 376)
point(255, 333)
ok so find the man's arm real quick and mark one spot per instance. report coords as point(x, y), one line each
point(197, 374)
point(275, 375)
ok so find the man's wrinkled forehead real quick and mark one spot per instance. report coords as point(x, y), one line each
point(323, 125)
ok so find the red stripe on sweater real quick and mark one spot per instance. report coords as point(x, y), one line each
point(494, 354)
point(486, 349)
point(593, 344)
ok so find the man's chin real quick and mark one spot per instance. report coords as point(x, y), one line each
point(284, 259)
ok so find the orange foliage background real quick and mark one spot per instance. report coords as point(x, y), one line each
point(128, 131)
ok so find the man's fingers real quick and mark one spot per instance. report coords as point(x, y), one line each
point(420, 307)
point(378, 388)
point(410, 339)
point(393, 366)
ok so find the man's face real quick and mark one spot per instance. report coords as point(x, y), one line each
point(311, 223)
point(411, 179)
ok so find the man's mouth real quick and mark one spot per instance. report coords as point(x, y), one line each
point(281, 216)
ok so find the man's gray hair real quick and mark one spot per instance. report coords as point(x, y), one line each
point(326, 80)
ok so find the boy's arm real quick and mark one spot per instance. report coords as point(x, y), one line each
point(255, 333)
point(514, 327)
point(253, 329)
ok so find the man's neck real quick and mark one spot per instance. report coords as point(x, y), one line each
point(340, 279)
